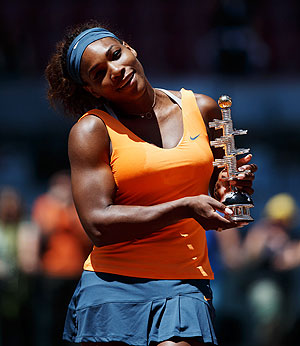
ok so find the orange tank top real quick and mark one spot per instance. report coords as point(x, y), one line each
point(147, 175)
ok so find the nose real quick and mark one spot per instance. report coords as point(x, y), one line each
point(116, 71)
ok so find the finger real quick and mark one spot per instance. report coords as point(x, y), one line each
point(244, 160)
point(251, 168)
point(222, 221)
point(223, 175)
point(242, 224)
point(244, 187)
point(233, 224)
point(247, 190)
point(216, 205)
point(229, 226)
point(244, 176)
point(220, 207)
point(242, 183)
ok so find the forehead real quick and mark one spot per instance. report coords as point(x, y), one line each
point(100, 46)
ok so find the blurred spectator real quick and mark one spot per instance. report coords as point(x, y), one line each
point(270, 237)
point(259, 265)
point(270, 287)
point(63, 248)
point(225, 250)
point(14, 293)
point(10, 215)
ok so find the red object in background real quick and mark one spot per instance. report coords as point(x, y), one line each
point(64, 244)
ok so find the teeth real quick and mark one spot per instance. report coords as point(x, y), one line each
point(127, 80)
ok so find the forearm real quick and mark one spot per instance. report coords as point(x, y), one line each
point(117, 223)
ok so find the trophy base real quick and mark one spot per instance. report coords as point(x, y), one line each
point(240, 204)
point(241, 213)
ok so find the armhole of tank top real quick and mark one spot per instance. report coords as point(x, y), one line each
point(93, 112)
point(172, 96)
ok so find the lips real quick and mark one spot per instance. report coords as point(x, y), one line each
point(126, 81)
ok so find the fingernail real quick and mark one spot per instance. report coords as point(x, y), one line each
point(240, 169)
point(241, 175)
point(228, 211)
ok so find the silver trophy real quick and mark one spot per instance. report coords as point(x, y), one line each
point(239, 202)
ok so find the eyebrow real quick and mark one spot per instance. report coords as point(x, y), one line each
point(107, 53)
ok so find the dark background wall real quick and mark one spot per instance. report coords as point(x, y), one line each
point(247, 49)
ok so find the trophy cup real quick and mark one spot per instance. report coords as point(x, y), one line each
point(239, 202)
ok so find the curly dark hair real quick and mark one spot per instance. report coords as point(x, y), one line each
point(62, 89)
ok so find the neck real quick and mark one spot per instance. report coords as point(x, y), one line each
point(141, 106)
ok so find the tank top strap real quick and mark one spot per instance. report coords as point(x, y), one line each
point(191, 111)
point(171, 96)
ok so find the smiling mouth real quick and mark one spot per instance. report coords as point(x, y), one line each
point(127, 82)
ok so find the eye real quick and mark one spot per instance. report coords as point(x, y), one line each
point(116, 54)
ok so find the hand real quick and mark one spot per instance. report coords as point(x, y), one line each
point(243, 182)
point(204, 211)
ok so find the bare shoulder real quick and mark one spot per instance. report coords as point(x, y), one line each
point(88, 140)
point(208, 107)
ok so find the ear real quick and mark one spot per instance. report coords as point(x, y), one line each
point(90, 90)
point(133, 51)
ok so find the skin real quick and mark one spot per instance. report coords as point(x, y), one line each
point(111, 70)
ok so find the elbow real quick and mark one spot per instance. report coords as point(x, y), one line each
point(103, 229)
point(97, 225)
point(99, 235)
point(97, 232)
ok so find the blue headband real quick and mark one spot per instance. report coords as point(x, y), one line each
point(79, 45)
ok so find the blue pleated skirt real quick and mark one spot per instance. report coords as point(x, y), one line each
point(107, 307)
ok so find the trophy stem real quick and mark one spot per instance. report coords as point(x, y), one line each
point(232, 168)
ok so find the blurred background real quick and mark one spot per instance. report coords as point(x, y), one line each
point(248, 49)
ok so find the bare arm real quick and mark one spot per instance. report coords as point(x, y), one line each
point(94, 189)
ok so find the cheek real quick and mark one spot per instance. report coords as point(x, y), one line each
point(96, 88)
point(139, 66)
point(131, 60)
